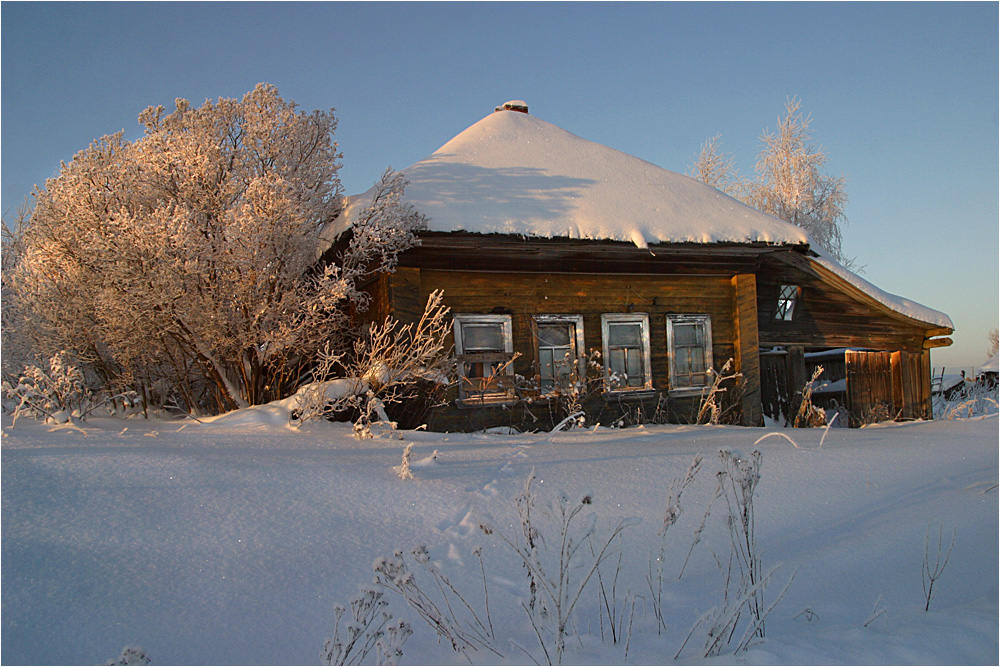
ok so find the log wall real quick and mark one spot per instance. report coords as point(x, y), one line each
point(522, 295)
point(525, 295)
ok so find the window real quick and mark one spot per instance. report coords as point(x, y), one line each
point(483, 349)
point(787, 296)
point(626, 351)
point(689, 347)
point(560, 342)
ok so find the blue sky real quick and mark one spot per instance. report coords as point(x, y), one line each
point(904, 98)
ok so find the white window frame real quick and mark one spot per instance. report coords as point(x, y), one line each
point(577, 322)
point(788, 299)
point(464, 385)
point(706, 321)
point(627, 318)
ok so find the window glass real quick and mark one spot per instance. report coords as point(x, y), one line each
point(633, 367)
point(626, 335)
point(558, 340)
point(686, 335)
point(787, 296)
point(482, 337)
point(689, 348)
point(483, 346)
point(550, 335)
point(626, 351)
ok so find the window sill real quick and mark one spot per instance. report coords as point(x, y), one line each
point(688, 392)
point(498, 402)
point(628, 394)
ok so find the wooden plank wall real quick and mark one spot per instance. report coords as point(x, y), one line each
point(405, 296)
point(826, 317)
point(774, 386)
point(914, 396)
point(887, 385)
point(869, 386)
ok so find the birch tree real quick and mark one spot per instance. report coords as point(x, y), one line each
point(190, 255)
point(716, 168)
point(789, 183)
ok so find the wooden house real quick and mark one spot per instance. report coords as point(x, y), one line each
point(551, 249)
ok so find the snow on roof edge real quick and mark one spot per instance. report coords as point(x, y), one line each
point(896, 303)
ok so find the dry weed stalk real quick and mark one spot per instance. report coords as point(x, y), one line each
point(931, 573)
point(555, 591)
point(809, 415)
point(463, 634)
point(370, 627)
point(710, 412)
point(670, 517)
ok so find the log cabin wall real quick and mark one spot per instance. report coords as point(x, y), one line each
point(523, 295)
point(737, 285)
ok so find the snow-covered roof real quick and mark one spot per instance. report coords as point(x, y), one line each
point(513, 173)
point(989, 367)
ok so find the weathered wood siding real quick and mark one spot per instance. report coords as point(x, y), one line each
point(887, 385)
point(826, 317)
point(737, 285)
point(522, 295)
point(747, 346)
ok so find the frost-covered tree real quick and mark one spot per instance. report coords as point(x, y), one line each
point(716, 168)
point(994, 337)
point(789, 183)
point(189, 256)
point(791, 186)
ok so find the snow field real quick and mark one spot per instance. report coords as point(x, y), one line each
point(231, 541)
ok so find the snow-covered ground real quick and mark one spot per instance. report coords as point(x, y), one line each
point(232, 541)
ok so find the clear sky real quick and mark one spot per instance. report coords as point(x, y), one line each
point(904, 99)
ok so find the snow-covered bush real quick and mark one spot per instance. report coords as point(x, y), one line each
point(389, 364)
point(57, 394)
point(977, 399)
point(190, 255)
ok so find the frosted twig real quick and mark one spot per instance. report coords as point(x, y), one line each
point(930, 573)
